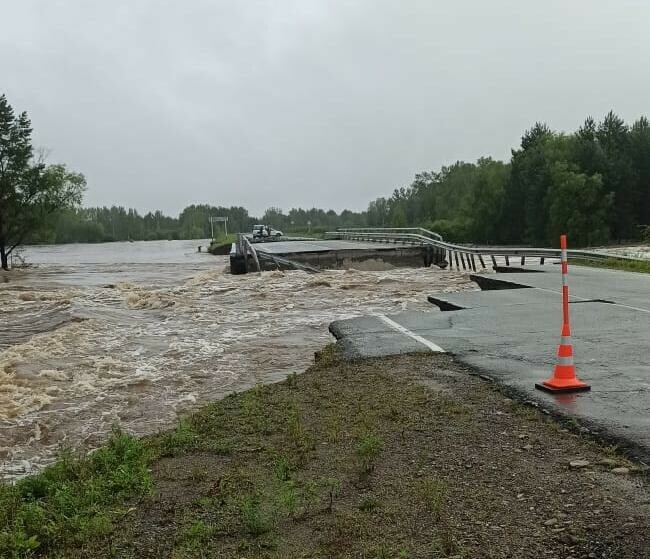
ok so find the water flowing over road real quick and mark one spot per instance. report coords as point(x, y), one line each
point(136, 333)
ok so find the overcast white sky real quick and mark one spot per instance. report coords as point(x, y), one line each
point(326, 103)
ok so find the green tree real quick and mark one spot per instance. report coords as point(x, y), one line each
point(640, 153)
point(378, 214)
point(527, 188)
point(487, 202)
point(618, 175)
point(29, 190)
point(578, 206)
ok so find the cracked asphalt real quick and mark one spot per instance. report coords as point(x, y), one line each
point(511, 335)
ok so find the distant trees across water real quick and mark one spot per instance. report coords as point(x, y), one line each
point(93, 225)
point(593, 184)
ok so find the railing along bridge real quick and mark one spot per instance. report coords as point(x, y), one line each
point(465, 256)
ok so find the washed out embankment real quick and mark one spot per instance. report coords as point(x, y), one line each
point(404, 456)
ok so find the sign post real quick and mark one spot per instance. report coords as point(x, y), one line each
point(223, 220)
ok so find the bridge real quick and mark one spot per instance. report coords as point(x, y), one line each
point(313, 255)
point(412, 246)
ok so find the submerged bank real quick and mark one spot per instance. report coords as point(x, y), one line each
point(406, 456)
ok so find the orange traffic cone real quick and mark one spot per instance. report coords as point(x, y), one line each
point(564, 377)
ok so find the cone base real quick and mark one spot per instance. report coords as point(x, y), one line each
point(577, 387)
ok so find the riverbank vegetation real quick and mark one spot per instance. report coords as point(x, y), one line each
point(399, 457)
point(222, 244)
point(30, 190)
point(615, 264)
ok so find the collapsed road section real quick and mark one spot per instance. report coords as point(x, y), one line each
point(313, 255)
point(510, 335)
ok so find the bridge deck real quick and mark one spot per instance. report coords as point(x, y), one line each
point(294, 247)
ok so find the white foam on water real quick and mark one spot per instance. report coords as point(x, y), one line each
point(165, 341)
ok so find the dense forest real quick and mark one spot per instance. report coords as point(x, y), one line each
point(593, 184)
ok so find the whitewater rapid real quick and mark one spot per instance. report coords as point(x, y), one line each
point(117, 339)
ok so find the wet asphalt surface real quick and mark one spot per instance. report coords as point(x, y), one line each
point(511, 335)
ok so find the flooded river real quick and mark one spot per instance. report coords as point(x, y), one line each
point(137, 333)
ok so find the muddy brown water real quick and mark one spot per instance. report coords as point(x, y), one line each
point(137, 333)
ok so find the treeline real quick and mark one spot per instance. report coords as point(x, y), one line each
point(314, 220)
point(593, 184)
point(93, 225)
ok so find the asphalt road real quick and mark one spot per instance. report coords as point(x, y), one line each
point(512, 336)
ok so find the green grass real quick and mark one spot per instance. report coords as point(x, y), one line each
point(222, 244)
point(432, 492)
point(194, 537)
point(348, 457)
point(255, 519)
point(74, 500)
point(614, 264)
point(368, 451)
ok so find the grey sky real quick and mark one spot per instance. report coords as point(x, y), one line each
point(308, 102)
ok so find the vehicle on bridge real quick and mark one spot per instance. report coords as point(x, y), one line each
point(260, 231)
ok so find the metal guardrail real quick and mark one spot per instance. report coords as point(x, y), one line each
point(461, 253)
point(281, 262)
point(398, 230)
point(245, 247)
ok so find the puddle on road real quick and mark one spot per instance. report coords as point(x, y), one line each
point(74, 360)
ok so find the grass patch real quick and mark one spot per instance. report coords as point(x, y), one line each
point(368, 451)
point(329, 355)
point(369, 504)
point(529, 413)
point(256, 519)
point(222, 244)
point(433, 491)
point(349, 460)
point(195, 536)
point(74, 500)
point(615, 264)
point(178, 441)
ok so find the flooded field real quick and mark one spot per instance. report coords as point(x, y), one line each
point(136, 333)
point(638, 251)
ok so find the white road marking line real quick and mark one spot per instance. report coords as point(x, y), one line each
point(633, 308)
point(395, 326)
point(571, 295)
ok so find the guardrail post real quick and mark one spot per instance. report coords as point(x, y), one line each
point(494, 261)
point(481, 259)
point(541, 261)
point(523, 260)
point(507, 260)
point(462, 259)
point(473, 261)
